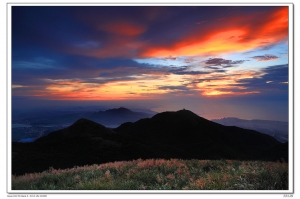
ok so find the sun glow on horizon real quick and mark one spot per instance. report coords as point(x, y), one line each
point(151, 86)
point(141, 88)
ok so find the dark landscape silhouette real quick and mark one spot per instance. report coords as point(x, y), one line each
point(181, 134)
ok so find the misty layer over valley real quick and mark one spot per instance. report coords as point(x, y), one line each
point(181, 134)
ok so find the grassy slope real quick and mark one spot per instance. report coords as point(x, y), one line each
point(160, 174)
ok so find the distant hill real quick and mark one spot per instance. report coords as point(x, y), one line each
point(180, 134)
point(117, 116)
point(277, 129)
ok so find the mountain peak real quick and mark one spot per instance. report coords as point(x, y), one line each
point(119, 110)
point(185, 111)
point(180, 114)
point(82, 128)
point(84, 123)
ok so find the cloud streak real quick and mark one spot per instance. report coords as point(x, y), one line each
point(246, 32)
point(223, 63)
point(123, 28)
point(265, 58)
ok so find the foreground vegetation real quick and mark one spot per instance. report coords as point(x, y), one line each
point(160, 174)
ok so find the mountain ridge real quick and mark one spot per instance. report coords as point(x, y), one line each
point(183, 122)
point(181, 134)
point(119, 110)
point(116, 116)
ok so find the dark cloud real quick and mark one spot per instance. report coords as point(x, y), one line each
point(177, 88)
point(33, 71)
point(219, 71)
point(275, 80)
point(185, 71)
point(106, 80)
point(191, 72)
point(182, 90)
point(215, 77)
point(223, 63)
point(266, 57)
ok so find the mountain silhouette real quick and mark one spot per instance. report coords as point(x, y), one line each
point(181, 134)
point(85, 142)
point(117, 116)
point(198, 136)
point(81, 128)
point(185, 126)
point(120, 110)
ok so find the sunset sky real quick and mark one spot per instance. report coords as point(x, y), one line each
point(217, 61)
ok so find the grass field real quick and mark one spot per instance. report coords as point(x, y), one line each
point(160, 174)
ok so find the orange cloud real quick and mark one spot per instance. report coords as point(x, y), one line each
point(219, 93)
point(233, 34)
point(227, 85)
point(150, 86)
point(215, 44)
point(123, 28)
point(142, 87)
